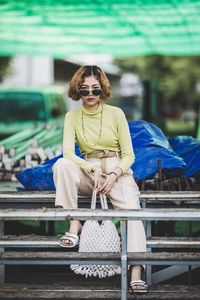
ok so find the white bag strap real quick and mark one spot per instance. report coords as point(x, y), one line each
point(94, 197)
point(103, 200)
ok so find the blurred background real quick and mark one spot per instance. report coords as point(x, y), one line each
point(149, 50)
point(161, 89)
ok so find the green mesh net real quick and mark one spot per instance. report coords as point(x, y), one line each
point(66, 27)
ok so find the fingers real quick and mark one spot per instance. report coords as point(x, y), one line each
point(105, 190)
point(103, 183)
point(95, 181)
point(100, 182)
point(107, 186)
point(104, 186)
point(97, 175)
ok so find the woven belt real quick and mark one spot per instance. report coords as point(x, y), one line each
point(102, 154)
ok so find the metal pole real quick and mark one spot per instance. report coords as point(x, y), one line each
point(143, 204)
point(124, 260)
point(149, 267)
point(2, 267)
point(148, 230)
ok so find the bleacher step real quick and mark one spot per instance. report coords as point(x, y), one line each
point(61, 258)
point(36, 199)
point(68, 291)
point(59, 214)
point(40, 241)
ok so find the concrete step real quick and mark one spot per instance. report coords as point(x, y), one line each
point(71, 291)
point(62, 258)
point(40, 241)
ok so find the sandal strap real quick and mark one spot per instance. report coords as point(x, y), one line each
point(70, 236)
point(138, 282)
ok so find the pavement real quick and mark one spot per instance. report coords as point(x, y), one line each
point(9, 185)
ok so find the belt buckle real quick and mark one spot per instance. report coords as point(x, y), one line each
point(106, 153)
point(101, 155)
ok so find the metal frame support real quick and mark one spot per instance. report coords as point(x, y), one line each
point(124, 265)
point(2, 267)
point(149, 267)
point(148, 230)
point(169, 272)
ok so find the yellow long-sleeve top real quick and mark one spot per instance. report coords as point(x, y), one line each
point(115, 134)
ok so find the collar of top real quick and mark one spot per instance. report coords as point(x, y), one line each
point(93, 112)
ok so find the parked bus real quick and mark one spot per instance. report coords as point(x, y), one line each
point(23, 107)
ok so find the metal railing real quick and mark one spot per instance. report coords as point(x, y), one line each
point(146, 214)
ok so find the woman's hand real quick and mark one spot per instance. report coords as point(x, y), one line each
point(108, 184)
point(98, 178)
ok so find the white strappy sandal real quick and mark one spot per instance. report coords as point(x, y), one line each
point(73, 238)
point(134, 284)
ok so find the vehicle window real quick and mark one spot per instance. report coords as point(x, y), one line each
point(21, 107)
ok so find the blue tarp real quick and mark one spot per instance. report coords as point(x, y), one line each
point(149, 144)
point(189, 149)
point(41, 176)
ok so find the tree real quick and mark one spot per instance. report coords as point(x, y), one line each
point(177, 77)
point(5, 67)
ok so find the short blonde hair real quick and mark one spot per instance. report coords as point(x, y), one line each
point(79, 77)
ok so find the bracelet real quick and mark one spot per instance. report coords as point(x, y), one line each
point(115, 174)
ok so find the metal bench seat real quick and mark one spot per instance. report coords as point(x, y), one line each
point(52, 258)
point(39, 206)
point(39, 241)
point(81, 291)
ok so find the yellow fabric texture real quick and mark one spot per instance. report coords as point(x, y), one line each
point(115, 134)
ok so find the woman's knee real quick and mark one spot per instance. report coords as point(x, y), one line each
point(63, 164)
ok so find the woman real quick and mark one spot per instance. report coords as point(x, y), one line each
point(103, 137)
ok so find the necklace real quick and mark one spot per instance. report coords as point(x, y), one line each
point(100, 128)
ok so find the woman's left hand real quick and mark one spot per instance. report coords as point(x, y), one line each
point(108, 184)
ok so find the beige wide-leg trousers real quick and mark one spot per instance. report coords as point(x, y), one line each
point(71, 181)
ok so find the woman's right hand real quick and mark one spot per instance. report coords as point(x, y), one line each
point(99, 179)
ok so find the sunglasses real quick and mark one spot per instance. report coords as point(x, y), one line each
point(85, 92)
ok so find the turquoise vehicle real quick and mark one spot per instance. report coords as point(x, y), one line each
point(23, 107)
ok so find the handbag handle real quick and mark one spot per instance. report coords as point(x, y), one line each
point(103, 200)
point(94, 199)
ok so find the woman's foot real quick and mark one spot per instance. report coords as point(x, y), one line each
point(136, 284)
point(73, 238)
point(70, 239)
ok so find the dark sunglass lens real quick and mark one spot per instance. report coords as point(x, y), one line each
point(96, 92)
point(84, 92)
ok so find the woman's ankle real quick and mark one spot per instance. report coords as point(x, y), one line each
point(136, 272)
point(75, 227)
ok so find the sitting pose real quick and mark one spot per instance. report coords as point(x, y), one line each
point(102, 134)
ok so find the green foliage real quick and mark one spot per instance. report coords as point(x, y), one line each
point(186, 228)
point(5, 68)
point(177, 77)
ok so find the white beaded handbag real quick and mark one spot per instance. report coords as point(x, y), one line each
point(96, 237)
